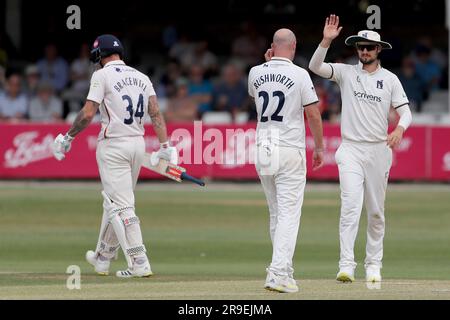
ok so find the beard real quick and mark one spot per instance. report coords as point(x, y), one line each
point(366, 61)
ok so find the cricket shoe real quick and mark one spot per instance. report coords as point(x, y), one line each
point(283, 284)
point(346, 275)
point(138, 271)
point(373, 274)
point(101, 267)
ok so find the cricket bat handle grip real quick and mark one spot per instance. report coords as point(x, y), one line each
point(185, 176)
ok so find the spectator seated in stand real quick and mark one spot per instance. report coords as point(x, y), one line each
point(45, 107)
point(413, 84)
point(201, 56)
point(428, 70)
point(31, 80)
point(230, 93)
point(250, 46)
point(181, 108)
point(81, 70)
point(53, 68)
point(167, 87)
point(200, 89)
point(13, 103)
point(181, 48)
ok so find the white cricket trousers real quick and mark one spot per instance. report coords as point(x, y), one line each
point(284, 188)
point(119, 163)
point(363, 175)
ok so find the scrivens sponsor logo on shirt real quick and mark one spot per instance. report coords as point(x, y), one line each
point(370, 97)
point(273, 77)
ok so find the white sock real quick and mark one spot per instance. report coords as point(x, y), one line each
point(140, 259)
point(102, 258)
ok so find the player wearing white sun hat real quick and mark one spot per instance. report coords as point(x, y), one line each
point(364, 157)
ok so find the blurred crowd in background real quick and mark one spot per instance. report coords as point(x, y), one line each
point(193, 82)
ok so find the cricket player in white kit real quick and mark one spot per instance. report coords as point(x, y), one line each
point(125, 96)
point(282, 93)
point(364, 157)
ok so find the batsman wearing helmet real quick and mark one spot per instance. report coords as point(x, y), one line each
point(124, 97)
point(364, 157)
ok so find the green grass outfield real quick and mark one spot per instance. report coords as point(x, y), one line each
point(213, 243)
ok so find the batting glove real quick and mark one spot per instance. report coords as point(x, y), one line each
point(61, 146)
point(168, 153)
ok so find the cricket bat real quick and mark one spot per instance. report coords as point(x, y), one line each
point(168, 170)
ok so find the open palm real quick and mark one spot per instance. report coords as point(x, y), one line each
point(331, 29)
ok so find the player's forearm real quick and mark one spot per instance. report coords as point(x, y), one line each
point(159, 125)
point(81, 122)
point(315, 125)
point(326, 43)
point(317, 131)
point(317, 64)
point(405, 117)
point(83, 118)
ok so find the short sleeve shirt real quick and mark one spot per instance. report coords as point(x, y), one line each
point(123, 94)
point(281, 90)
point(366, 100)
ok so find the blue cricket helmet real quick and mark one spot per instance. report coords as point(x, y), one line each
point(104, 46)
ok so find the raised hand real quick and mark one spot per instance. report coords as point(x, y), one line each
point(331, 29)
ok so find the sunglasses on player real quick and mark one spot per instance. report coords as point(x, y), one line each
point(369, 47)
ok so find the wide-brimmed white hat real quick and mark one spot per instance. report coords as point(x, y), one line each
point(367, 36)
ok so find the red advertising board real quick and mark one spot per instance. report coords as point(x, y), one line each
point(221, 152)
point(440, 155)
point(409, 158)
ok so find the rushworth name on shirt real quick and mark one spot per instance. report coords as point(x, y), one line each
point(273, 77)
point(129, 81)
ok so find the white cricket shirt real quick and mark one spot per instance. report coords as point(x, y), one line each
point(281, 90)
point(366, 100)
point(123, 94)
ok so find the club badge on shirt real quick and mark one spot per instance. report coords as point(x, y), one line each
point(379, 84)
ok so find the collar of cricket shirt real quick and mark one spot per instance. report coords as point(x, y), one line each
point(280, 59)
point(360, 67)
point(114, 63)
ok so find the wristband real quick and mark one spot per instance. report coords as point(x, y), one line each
point(164, 145)
point(68, 138)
